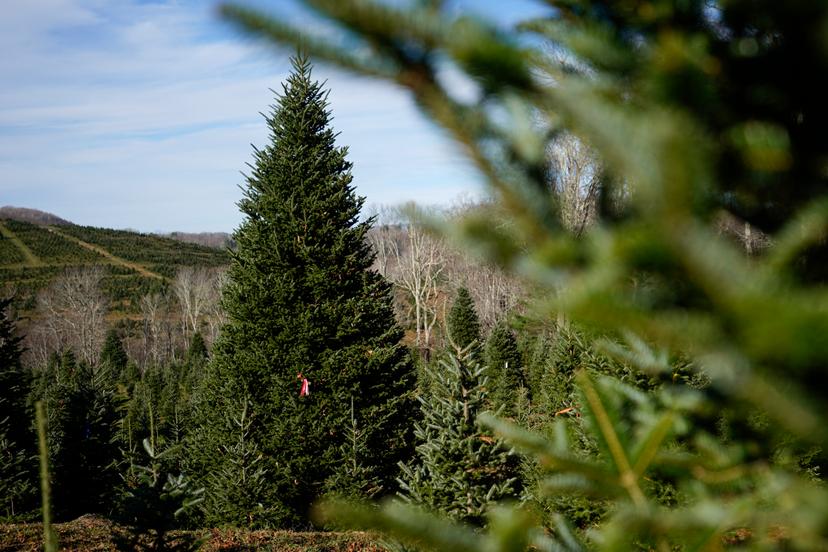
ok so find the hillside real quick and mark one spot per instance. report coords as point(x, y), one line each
point(209, 239)
point(33, 255)
point(34, 216)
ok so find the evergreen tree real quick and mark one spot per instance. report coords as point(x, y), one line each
point(536, 347)
point(197, 352)
point(355, 477)
point(239, 489)
point(459, 470)
point(573, 349)
point(15, 381)
point(152, 502)
point(113, 353)
point(82, 405)
point(463, 324)
point(505, 368)
point(302, 300)
point(16, 482)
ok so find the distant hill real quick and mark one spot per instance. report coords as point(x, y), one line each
point(33, 255)
point(210, 239)
point(34, 216)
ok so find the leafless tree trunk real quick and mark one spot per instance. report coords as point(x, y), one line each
point(152, 312)
point(494, 292)
point(73, 311)
point(413, 261)
point(418, 268)
point(428, 270)
point(215, 314)
point(385, 236)
point(576, 182)
point(194, 289)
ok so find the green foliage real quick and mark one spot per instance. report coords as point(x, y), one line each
point(537, 349)
point(505, 369)
point(149, 249)
point(16, 450)
point(124, 291)
point(10, 254)
point(459, 470)
point(82, 405)
point(50, 542)
point(16, 487)
point(692, 109)
point(197, 351)
point(113, 355)
point(153, 499)
point(157, 405)
point(301, 299)
point(15, 381)
point(568, 352)
point(48, 246)
point(573, 350)
point(463, 324)
point(122, 285)
point(356, 477)
point(237, 486)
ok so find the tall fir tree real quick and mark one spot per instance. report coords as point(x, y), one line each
point(463, 323)
point(303, 302)
point(458, 470)
point(505, 368)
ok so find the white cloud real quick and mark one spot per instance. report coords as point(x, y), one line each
point(141, 115)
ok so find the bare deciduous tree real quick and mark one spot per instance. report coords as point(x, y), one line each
point(194, 288)
point(494, 292)
point(414, 261)
point(576, 181)
point(427, 270)
point(72, 312)
point(153, 314)
point(214, 312)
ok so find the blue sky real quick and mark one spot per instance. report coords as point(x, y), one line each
point(135, 114)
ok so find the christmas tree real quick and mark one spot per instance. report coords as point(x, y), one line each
point(14, 380)
point(305, 312)
point(505, 368)
point(459, 469)
point(113, 353)
point(16, 482)
point(462, 321)
point(83, 407)
point(197, 352)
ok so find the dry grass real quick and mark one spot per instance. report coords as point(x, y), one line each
point(97, 534)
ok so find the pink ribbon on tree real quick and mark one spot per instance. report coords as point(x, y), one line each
point(305, 385)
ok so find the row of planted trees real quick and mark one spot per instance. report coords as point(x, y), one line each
point(112, 425)
point(105, 419)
